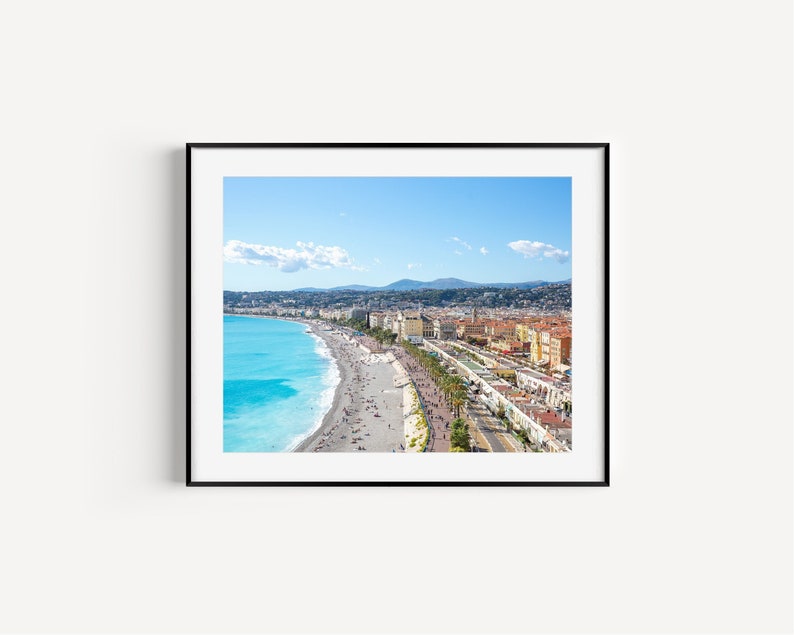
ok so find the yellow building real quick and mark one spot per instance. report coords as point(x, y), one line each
point(522, 332)
point(410, 325)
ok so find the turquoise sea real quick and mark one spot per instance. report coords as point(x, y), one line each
point(278, 383)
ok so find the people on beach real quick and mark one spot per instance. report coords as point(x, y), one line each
point(366, 398)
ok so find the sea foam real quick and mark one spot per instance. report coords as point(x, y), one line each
point(279, 382)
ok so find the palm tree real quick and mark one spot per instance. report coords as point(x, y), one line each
point(444, 385)
point(451, 384)
point(457, 399)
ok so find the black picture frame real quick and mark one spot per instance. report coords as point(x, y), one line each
point(194, 281)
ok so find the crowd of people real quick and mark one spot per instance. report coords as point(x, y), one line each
point(438, 414)
point(363, 421)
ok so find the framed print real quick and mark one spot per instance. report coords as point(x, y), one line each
point(398, 314)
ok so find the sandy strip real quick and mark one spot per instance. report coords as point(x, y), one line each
point(413, 431)
point(366, 414)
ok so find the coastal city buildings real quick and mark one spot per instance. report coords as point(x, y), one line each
point(515, 362)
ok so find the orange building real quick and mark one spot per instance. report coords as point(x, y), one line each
point(559, 348)
point(500, 329)
point(470, 329)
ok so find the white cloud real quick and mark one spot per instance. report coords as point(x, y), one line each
point(463, 243)
point(414, 265)
point(376, 261)
point(306, 256)
point(483, 251)
point(459, 253)
point(343, 214)
point(537, 249)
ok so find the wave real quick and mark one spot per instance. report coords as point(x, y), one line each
point(330, 382)
point(278, 384)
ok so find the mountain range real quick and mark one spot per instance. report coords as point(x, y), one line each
point(440, 284)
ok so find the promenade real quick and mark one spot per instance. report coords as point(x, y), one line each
point(438, 414)
point(486, 437)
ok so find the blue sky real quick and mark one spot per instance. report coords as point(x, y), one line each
point(287, 233)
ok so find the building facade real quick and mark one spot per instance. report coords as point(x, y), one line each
point(410, 326)
point(444, 330)
point(559, 350)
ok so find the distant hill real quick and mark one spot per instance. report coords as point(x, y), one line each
point(350, 287)
point(407, 285)
point(519, 285)
point(440, 284)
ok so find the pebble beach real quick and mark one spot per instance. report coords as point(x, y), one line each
point(367, 411)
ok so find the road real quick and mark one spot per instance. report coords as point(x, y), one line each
point(440, 415)
point(488, 428)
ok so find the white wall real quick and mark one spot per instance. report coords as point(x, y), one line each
point(98, 532)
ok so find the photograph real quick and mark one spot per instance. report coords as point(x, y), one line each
point(397, 315)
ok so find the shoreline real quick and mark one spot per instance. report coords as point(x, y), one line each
point(366, 413)
point(344, 376)
point(317, 428)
